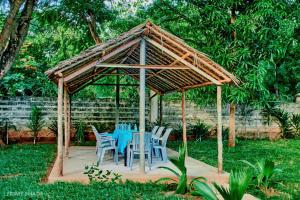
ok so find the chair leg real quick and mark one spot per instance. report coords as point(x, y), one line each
point(131, 160)
point(149, 160)
point(127, 156)
point(164, 154)
point(116, 156)
point(156, 152)
point(99, 151)
point(102, 156)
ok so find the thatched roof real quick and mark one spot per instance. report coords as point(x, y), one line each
point(171, 64)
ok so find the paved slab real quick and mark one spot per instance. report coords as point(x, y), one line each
point(80, 156)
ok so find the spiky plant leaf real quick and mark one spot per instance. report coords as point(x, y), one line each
point(200, 188)
point(239, 181)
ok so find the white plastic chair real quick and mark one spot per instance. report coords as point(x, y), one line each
point(154, 130)
point(105, 143)
point(134, 148)
point(161, 145)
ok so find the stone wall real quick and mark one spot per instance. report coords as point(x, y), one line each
point(17, 110)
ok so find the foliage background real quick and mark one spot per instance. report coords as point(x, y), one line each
point(264, 54)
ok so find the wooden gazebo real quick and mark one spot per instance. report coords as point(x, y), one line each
point(149, 54)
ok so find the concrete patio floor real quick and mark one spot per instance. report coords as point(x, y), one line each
point(80, 156)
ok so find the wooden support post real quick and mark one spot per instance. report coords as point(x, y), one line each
point(117, 100)
point(142, 105)
point(219, 129)
point(184, 138)
point(231, 139)
point(153, 107)
point(66, 121)
point(69, 121)
point(160, 109)
point(60, 127)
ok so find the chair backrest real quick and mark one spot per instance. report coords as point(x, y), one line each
point(97, 135)
point(166, 136)
point(123, 126)
point(154, 130)
point(159, 132)
point(94, 129)
point(136, 142)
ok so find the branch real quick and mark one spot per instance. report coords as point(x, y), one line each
point(90, 19)
point(17, 37)
point(9, 24)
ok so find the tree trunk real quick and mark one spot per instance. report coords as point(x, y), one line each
point(9, 24)
point(231, 136)
point(91, 21)
point(231, 139)
point(16, 38)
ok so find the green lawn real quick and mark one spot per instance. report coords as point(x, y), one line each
point(285, 153)
point(22, 168)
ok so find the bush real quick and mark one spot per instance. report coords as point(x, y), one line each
point(5, 125)
point(200, 130)
point(80, 132)
point(177, 131)
point(36, 122)
point(282, 119)
point(295, 123)
point(104, 127)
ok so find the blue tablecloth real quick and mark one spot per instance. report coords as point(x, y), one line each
point(123, 137)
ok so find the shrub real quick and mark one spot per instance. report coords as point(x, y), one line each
point(281, 118)
point(239, 181)
point(177, 131)
point(80, 132)
point(295, 123)
point(200, 130)
point(182, 186)
point(36, 122)
point(96, 174)
point(264, 170)
point(104, 127)
point(5, 125)
point(225, 132)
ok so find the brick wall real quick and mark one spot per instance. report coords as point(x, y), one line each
point(17, 110)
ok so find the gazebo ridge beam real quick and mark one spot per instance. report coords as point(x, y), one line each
point(136, 66)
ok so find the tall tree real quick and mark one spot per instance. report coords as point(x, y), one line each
point(14, 32)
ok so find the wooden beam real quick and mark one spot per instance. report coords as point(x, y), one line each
point(90, 82)
point(153, 106)
point(69, 120)
point(105, 57)
point(108, 84)
point(137, 78)
point(136, 66)
point(142, 105)
point(60, 127)
point(154, 43)
point(178, 42)
point(160, 110)
point(219, 129)
point(117, 99)
point(66, 99)
point(184, 137)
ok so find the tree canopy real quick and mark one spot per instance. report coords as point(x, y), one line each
point(258, 41)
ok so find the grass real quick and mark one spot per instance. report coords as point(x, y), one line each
point(22, 168)
point(285, 153)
